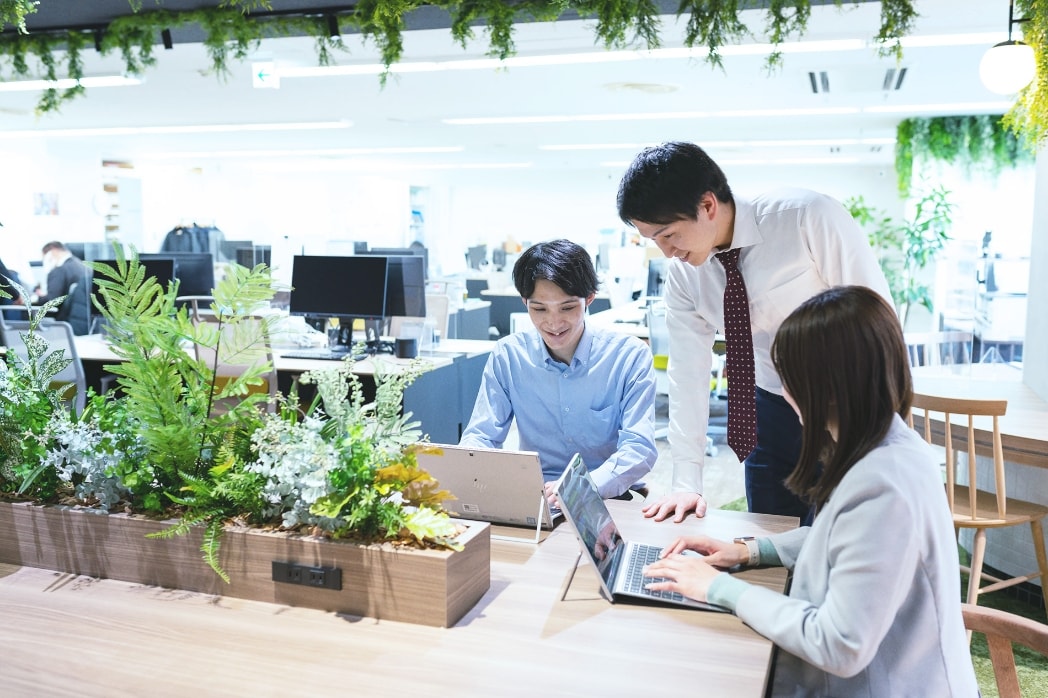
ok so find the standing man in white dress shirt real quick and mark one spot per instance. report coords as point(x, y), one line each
point(794, 243)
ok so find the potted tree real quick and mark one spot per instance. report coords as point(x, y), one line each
point(322, 505)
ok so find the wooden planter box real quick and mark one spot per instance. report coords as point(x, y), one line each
point(429, 587)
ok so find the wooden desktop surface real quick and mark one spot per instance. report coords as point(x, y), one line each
point(1024, 428)
point(538, 630)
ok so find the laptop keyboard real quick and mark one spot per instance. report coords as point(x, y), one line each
point(641, 556)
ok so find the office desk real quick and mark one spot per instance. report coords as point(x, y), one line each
point(533, 633)
point(631, 318)
point(452, 378)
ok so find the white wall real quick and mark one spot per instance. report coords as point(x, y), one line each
point(1035, 348)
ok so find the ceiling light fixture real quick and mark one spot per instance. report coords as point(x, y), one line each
point(66, 83)
point(1008, 66)
point(154, 130)
point(306, 152)
point(647, 116)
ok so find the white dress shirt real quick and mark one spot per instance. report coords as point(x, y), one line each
point(795, 244)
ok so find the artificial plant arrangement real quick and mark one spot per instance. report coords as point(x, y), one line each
point(979, 142)
point(157, 447)
point(905, 248)
point(233, 29)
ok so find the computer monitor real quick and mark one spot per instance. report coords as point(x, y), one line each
point(405, 287)
point(227, 249)
point(476, 256)
point(161, 269)
point(657, 268)
point(400, 251)
point(338, 287)
point(90, 251)
point(251, 257)
point(195, 271)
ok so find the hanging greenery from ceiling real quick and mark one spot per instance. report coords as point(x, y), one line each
point(1029, 116)
point(234, 29)
point(973, 143)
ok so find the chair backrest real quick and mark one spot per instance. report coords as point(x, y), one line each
point(437, 305)
point(934, 408)
point(658, 332)
point(59, 336)
point(937, 348)
point(1002, 629)
point(240, 346)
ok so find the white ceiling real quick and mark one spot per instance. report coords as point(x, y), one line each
point(409, 111)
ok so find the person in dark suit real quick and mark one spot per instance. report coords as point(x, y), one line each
point(66, 276)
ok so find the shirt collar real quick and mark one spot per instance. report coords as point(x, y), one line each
point(582, 351)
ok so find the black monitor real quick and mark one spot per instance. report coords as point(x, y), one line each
point(338, 287)
point(195, 271)
point(476, 256)
point(227, 249)
point(163, 270)
point(657, 268)
point(405, 287)
point(400, 251)
point(251, 257)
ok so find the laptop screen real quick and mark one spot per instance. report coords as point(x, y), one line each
point(586, 510)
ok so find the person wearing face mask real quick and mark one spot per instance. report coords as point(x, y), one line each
point(62, 270)
point(790, 244)
point(571, 387)
point(69, 277)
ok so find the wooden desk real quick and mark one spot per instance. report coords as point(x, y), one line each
point(1024, 429)
point(532, 633)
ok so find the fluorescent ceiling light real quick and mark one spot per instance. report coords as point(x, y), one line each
point(166, 130)
point(736, 162)
point(785, 143)
point(313, 152)
point(66, 83)
point(956, 108)
point(647, 116)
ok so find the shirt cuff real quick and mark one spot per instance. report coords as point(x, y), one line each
point(725, 591)
point(769, 555)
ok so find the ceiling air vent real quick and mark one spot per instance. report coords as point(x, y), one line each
point(872, 79)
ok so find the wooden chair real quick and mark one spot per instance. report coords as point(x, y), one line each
point(1002, 629)
point(974, 507)
point(937, 348)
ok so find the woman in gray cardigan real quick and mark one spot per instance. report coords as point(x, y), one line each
point(874, 607)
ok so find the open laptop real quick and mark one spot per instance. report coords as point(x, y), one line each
point(495, 485)
point(619, 563)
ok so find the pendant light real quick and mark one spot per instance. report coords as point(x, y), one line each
point(1009, 66)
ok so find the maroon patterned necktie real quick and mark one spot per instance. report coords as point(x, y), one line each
point(738, 334)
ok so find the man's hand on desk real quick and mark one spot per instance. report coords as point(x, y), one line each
point(678, 503)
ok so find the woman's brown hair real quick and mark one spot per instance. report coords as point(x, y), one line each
point(842, 358)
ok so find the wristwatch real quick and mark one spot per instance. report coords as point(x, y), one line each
point(751, 545)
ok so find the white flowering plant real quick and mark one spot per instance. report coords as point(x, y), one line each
point(340, 467)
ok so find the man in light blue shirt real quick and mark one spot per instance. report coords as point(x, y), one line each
point(572, 388)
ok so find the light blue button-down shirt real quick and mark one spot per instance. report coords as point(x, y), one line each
point(601, 406)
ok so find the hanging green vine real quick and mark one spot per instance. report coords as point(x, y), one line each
point(1029, 115)
point(234, 28)
point(980, 142)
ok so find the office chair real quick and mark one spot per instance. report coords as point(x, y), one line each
point(659, 340)
point(939, 348)
point(1002, 630)
point(71, 380)
point(976, 506)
